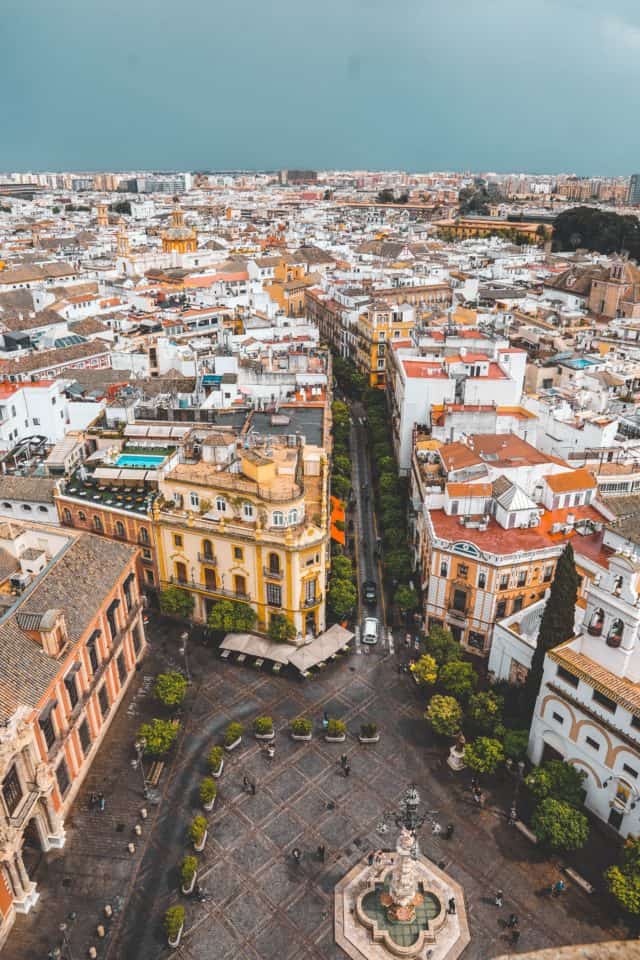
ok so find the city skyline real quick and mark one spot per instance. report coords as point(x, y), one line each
point(365, 87)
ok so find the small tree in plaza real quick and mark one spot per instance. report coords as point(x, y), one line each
point(176, 602)
point(559, 780)
point(229, 616)
point(159, 736)
point(424, 670)
point(484, 755)
point(170, 688)
point(441, 645)
point(342, 598)
point(624, 881)
point(484, 710)
point(341, 567)
point(444, 714)
point(244, 617)
point(457, 678)
point(281, 629)
point(559, 825)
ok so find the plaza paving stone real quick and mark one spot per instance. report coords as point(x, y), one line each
point(263, 906)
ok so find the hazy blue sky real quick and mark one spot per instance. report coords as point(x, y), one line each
point(540, 85)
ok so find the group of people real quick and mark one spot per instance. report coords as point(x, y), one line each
point(97, 801)
point(512, 922)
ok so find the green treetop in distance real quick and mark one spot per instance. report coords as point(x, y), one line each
point(557, 624)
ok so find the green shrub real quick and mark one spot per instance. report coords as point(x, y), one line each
point(301, 726)
point(484, 710)
point(197, 829)
point(173, 921)
point(263, 725)
point(208, 790)
point(557, 779)
point(233, 731)
point(457, 678)
point(441, 646)
point(158, 736)
point(516, 743)
point(188, 869)
point(624, 881)
point(444, 714)
point(336, 728)
point(215, 758)
point(484, 755)
point(170, 688)
point(177, 602)
point(559, 825)
point(424, 670)
point(281, 629)
point(368, 730)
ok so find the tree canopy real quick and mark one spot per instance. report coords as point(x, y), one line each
point(170, 688)
point(158, 736)
point(177, 602)
point(484, 755)
point(559, 825)
point(424, 670)
point(281, 628)
point(624, 881)
point(444, 714)
point(557, 779)
point(231, 616)
point(596, 229)
point(441, 645)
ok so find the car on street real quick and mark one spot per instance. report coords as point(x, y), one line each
point(370, 630)
point(369, 592)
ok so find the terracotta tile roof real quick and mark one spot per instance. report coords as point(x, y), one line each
point(619, 689)
point(571, 481)
point(469, 489)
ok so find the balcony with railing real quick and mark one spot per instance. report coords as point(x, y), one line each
point(210, 560)
point(272, 574)
point(206, 588)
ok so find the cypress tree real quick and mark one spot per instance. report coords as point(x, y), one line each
point(557, 624)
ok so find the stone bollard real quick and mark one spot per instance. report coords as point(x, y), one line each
point(108, 910)
point(131, 847)
point(93, 953)
point(143, 813)
point(100, 931)
point(137, 830)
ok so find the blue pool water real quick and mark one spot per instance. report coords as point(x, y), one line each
point(137, 460)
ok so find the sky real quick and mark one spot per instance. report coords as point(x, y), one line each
point(484, 85)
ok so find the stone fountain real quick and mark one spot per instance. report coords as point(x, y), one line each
point(397, 903)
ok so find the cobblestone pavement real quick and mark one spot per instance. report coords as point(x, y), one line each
point(263, 906)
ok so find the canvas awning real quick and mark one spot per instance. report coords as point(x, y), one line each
point(326, 645)
point(253, 646)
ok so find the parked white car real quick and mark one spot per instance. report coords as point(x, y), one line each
point(370, 630)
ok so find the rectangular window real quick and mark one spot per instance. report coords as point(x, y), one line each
point(71, 688)
point(146, 554)
point(92, 650)
point(112, 618)
point(177, 539)
point(592, 743)
point(627, 769)
point(194, 500)
point(103, 700)
point(12, 791)
point(148, 575)
point(85, 737)
point(548, 573)
point(137, 639)
point(522, 578)
point(122, 667)
point(605, 702)
point(209, 578)
point(504, 581)
point(460, 601)
point(444, 570)
point(567, 677)
point(62, 776)
point(463, 570)
point(274, 595)
point(482, 580)
point(310, 591)
point(635, 722)
point(476, 640)
point(48, 729)
point(237, 553)
point(558, 718)
point(181, 572)
point(517, 604)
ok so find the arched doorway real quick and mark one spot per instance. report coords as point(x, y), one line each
point(32, 848)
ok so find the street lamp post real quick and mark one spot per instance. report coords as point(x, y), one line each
point(184, 638)
point(139, 746)
point(63, 951)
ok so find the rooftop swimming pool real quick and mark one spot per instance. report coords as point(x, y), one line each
point(148, 462)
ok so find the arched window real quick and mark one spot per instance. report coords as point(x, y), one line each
point(617, 586)
point(207, 549)
point(221, 505)
point(144, 535)
point(293, 516)
point(119, 528)
point(26, 507)
point(97, 524)
point(6, 506)
point(274, 563)
point(278, 518)
point(82, 516)
point(247, 511)
point(596, 623)
point(66, 515)
point(614, 637)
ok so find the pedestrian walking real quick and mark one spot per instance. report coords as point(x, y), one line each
point(513, 815)
point(297, 856)
point(499, 899)
point(343, 760)
point(436, 829)
point(452, 905)
point(515, 936)
point(246, 786)
point(449, 831)
point(252, 787)
point(558, 888)
point(512, 921)
point(101, 802)
point(371, 858)
point(93, 800)
point(347, 770)
point(321, 852)
point(325, 720)
point(477, 796)
point(474, 784)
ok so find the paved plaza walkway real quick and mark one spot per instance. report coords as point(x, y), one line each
point(263, 906)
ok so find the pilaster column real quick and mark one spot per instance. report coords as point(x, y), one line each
point(55, 828)
point(22, 870)
point(14, 878)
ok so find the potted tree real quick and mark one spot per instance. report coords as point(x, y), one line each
point(368, 733)
point(198, 833)
point(336, 732)
point(208, 792)
point(263, 728)
point(215, 761)
point(233, 736)
point(301, 729)
point(188, 873)
point(173, 925)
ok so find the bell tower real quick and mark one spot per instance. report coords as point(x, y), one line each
point(122, 240)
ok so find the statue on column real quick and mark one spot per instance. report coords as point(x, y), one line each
point(403, 896)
